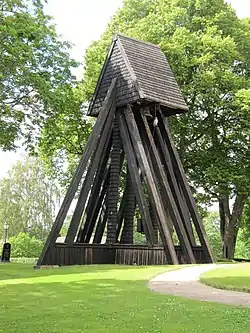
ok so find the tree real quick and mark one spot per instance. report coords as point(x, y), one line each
point(34, 70)
point(64, 135)
point(208, 49)
point(28, 199)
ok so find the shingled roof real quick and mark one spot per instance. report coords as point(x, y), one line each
point(143, 74)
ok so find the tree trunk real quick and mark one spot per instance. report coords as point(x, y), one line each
point(230, 223)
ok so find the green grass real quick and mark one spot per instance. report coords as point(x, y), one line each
point(235, 277)
point(104, 299)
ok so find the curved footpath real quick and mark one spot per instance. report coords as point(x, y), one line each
point(185, 282)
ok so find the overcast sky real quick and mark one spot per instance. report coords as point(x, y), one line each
point(80, 22)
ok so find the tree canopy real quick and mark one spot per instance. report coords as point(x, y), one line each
point(34, 69)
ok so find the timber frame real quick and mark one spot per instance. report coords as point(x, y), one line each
point(130, 168)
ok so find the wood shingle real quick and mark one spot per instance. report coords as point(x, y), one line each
point(143, 74)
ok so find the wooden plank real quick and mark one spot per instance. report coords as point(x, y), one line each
point(133, 169)
point(180, 174)
point(174, 187)
point(151, 187)
point(96, 209)
point(167, 194)
point(89, 150)
point(101, 224)
point(105, 138)
point(100, 177)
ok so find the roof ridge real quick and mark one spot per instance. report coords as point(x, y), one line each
point(137, 40)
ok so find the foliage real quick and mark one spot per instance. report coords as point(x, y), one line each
point(212, 227)
point(25, 246)
point(235, 277)
point(113, 298)
point(64, 136)
point(28, 199)
point(34, 69)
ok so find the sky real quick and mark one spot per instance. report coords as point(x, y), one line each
point(80, 22)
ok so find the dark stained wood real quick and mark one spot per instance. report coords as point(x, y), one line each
point(101, 224)
point(143, 88)
point(154, 220)
point(89, 227)
point(133, 170)
point(181, 205)
point(104, 142)
point(101, 179)
point(186, 189)
point(177, 221)
point(114, 182)
point(152, 189)
point(89, 150)
point(119, 254)
point(129, 211)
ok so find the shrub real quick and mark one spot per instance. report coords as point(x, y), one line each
point(25, 246)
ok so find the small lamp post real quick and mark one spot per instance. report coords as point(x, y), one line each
point(6, 246)
point(6, 228)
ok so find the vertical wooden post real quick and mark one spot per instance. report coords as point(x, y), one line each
point(129, 210)
point(114, 182)
point(154, 220)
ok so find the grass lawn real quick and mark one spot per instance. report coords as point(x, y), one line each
point(235, 277)
point(104, 299)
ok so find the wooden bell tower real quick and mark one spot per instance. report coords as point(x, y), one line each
point(130, 168)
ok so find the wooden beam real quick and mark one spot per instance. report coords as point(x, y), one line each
point(89, 150)
point(88, 180)
point(96, 209)
point(174, 187)
point(180, 174)
point(101, 224)
point(101, 175)
point(167, 194)
point(133, 169)
point(151, 187)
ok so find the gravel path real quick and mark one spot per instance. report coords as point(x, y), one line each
point(185, 282)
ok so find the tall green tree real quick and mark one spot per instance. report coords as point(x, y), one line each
point(28, 199)
point(208, 49)
point(35, 70)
